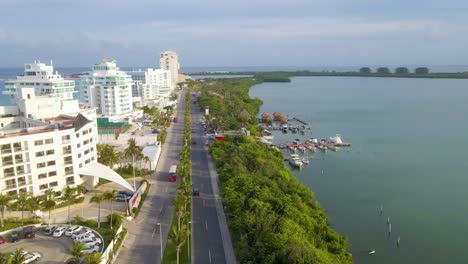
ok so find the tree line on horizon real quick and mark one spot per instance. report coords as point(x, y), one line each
point(399, 70)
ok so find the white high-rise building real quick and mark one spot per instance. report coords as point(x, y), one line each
point(108, 89)
point(47, 140)
point(151, 84)
point(168, 60)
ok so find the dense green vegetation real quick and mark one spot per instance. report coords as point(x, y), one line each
point(273, 218)
point(175, 251)
point(229, 104)
point(284, 76)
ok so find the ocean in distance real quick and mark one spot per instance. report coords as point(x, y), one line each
point(408, 154)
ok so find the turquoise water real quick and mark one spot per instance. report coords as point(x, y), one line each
point(409, 147)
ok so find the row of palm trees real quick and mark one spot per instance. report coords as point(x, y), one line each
point(106, 196)
point(25, 201)
point(179, 234)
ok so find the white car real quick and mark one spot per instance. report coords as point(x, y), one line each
point(72, 229)
point(80, 238)
point(90, 250)
point(31, 257)
point(86, 232)
point(59, 231)
point(91, 244)
point(90, 239)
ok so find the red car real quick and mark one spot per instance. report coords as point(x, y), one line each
point(2, 240)
point(172, 179)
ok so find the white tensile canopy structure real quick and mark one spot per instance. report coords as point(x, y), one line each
point(102, 171)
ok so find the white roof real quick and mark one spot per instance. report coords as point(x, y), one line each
point(102, 171)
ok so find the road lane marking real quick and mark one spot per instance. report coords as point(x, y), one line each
point(203, 203)
point(206, 225)
point(154, 230)
point(209, 254)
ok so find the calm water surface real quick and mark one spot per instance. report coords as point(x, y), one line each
point(409, 149)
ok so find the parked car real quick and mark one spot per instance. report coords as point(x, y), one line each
point(29, 234)
point(88, 233)
point(49, 230)
point(196, 192)
point(31, 257)
point(90, 250)
point(128, 193)
point(71, 230)
point(156, 131)
point(59, 231)
point(14, 236)
point(91, 240)
point(2, 240)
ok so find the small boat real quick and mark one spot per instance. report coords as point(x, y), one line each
point(314, 140)
point(295, 161)
point(294, 130)
point(266, 132)
point(322, 147)
point(338, 142)
point(371, 252)
point(332, 147)
point(305, 160)
point(301, 147)
point(310, 147)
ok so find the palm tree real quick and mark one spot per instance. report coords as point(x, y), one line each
point(98, 198)
point(17, 257)
point(68, 195)
point(49, 203)
point(94, 258)
point(4, 202)
point(178, 203)
point(76, 251)
point(178, 237)
point(133, 151)
point(108, 156)
point(22, 200)
point(80, 189)
point(110, 196)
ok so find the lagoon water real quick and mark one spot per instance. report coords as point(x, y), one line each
point(409, 154)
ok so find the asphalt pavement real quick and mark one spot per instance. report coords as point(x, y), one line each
point(142, 243)
point(211, 242)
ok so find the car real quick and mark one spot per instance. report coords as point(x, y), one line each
point(31, 257)
point(83, 238)
point(49, 230)
point(59, 231)
point(73, 229)
point(90, 250)
point(91, 244)
point(29, 234)
point(80, 236)
point(172, 179)
point(91, 240)
point(128, 193)
point(2, 240)
point(196, 192)
point(156, 131)
point(14, 236)
point(194, 142)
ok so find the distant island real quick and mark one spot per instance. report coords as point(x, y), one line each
point(400, 72)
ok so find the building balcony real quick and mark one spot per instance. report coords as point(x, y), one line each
point(66, 152)
point(10, 186)
point(6, 151)
point(69, 162)
point(19, 149)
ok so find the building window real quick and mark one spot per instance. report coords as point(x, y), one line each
point(19, 169)
point(77, 135)
point(41, 165)
point(42, 176)
point(38, 142)
point(69, 170)
point(53, 184)
point(70, 180)
point(81, 165)
point(49, 141)
point(19, 158)
point(79, 155)
point(52, 173)
point(8, 172)
point(65, 138)
point(50, 152)
point(51, 163)
point(78, 145)
point(43, 186)
point(39, 154)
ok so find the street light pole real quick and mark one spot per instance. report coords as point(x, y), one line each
point(160, 241)
point(188, 240)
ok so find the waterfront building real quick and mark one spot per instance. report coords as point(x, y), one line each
point(47, 139)
point(168, 60)
point(108, 89)
point(151, 84)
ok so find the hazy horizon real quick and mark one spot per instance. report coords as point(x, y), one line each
point(235, 33)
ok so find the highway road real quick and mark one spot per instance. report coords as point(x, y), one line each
point(211, 242)
point(142, 244)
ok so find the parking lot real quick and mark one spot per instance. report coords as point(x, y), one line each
point(52, 249)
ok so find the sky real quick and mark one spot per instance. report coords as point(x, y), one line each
point(235, 32)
